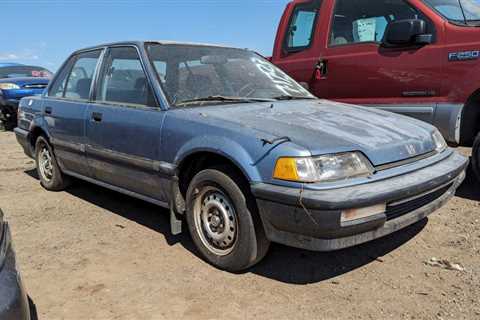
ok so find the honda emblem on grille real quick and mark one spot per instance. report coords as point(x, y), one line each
point(411, 149)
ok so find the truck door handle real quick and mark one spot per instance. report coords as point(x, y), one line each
point(97, 116)
point(321, 69)
point(48, 110)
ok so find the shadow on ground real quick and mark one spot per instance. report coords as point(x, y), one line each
point(283, 263)
point(470, 189)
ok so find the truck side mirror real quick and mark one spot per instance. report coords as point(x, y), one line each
point(406, 32)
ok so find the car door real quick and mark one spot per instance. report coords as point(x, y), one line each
point(65, 108)
point(362, 71)
point(124, 125)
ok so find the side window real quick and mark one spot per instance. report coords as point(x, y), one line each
point(123, 79)
point(81, 75)
point(58, 87)
point(302, 26)
point(357, 21)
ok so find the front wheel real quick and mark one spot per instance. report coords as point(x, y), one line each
point(476, 157)
point(51, 177)
point(223, 221)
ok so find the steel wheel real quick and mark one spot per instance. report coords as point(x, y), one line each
point(45, 164)
point(216, 221)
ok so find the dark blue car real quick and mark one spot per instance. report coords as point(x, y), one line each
point(235, 148)
point(18, 81)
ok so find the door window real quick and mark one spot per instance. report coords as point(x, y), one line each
point(302, 26)
point(58, 87)
point(81, 76)
point(359, 21)
point(123, 79)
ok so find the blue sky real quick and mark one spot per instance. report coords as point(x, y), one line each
point(45, 32)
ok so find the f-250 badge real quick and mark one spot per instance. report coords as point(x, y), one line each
point(464, 55)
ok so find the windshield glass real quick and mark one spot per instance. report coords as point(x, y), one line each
point(459, 11)
point(24, 72)
point(219, 75)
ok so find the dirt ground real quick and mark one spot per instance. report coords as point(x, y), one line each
point(90, 253)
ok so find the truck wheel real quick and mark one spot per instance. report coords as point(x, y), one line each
point(223, 220)
point(476, 157)
point(51, 177)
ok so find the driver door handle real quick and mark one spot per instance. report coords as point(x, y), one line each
point(97, 116)
point(48, 110)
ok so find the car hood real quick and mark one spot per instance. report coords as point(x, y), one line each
point(325, 127)
point(24, 81)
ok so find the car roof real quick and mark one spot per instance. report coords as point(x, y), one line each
point(141, 43)
point(9, 64)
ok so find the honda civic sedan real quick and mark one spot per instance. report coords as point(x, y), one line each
point(239, 152)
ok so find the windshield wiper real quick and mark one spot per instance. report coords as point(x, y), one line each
point(222, 99)
point(289, 97)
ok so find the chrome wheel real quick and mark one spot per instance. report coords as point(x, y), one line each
point(215, 221)
point(45, 163)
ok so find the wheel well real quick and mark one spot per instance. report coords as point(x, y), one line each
point(197, 162)
point(470, 120)
point(37, 132)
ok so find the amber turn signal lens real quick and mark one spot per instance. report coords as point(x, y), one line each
point(286, 169)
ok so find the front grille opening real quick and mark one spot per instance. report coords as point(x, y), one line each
point(399, 210)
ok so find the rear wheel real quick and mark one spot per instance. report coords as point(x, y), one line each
point(223, 220)
point(476, 157)
point(51, 177)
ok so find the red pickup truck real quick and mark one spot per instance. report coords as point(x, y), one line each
point(415, 57)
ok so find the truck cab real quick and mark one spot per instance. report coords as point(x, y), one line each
point(414, 57)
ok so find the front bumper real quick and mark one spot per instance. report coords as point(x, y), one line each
point(13, 299)
point(311, 219)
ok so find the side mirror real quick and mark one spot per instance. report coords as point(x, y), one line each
point(406, 32)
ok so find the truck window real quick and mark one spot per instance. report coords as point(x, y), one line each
point(459, 11)
point(123, 80)
point(302, 25)
point(358, 21)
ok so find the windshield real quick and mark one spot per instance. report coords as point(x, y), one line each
point(460, 11)
point(192, 74)
point(24, 72)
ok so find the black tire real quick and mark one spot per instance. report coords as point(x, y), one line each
point(54, 180)
point(250, 243)
point(476, 157)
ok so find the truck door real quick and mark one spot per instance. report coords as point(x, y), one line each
point(297, 47)
point(123, 126)
point(360, 70)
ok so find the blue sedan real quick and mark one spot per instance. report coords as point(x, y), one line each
point(237, 150)
point(18, 81)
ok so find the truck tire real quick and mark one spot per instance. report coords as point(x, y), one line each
point(223, 220)
point(476, 157)
point(51, 177)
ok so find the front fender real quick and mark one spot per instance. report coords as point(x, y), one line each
point(225, 147)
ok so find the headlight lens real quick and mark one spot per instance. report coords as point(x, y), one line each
point(323, 168)
point(440, 144)
point(8, 86)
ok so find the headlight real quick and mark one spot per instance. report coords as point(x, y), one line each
point(323, 168)
point(8, 86)
point(440, 144)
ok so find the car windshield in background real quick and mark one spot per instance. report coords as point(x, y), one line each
point(459, 11)
point(24, 72)
point(198, 75)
